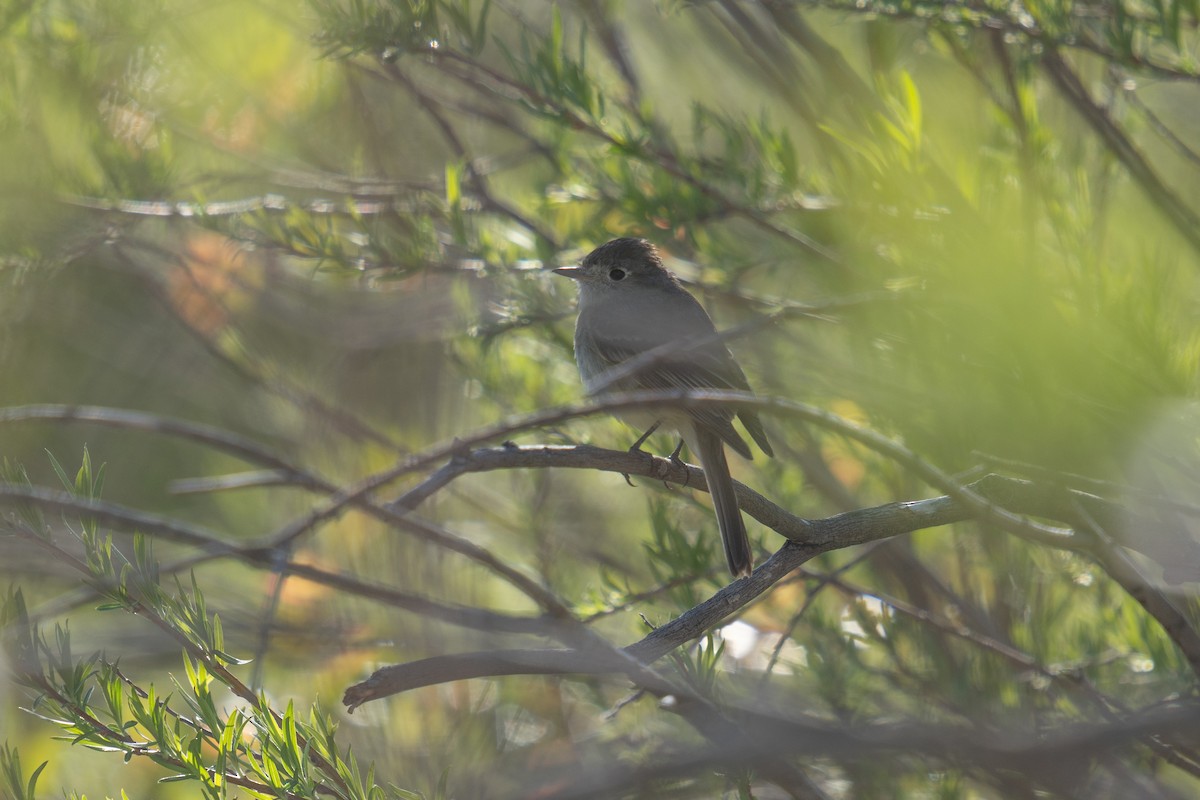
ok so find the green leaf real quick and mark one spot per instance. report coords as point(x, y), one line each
point(83, 478)
point(31, 787)
point(912, 103)
point(453, 184)
point(67, 483)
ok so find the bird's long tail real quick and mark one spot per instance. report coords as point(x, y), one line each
point(711, 451)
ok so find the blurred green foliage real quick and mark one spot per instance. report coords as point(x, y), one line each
point(323, 228)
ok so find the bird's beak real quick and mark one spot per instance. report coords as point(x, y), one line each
point(573, 272)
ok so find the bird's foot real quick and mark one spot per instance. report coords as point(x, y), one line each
point(636, 447)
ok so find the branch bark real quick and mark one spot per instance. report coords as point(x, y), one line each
point(806, 540)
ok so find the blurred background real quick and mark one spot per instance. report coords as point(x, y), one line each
point(324, 227)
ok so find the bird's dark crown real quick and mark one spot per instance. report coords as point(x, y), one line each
point(625, 249)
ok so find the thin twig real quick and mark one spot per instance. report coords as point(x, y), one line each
point(1184, 220)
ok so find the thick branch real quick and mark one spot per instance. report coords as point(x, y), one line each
point(1059, 759)
point(807, 539)
point(843, 530)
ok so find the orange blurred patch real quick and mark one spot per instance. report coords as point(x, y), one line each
point(308, 627)
point(299, 596)
point(849, 410)
point(243, 131)
point(216, 277)
point(771, 615)
point(844, 464)
point(841, 455)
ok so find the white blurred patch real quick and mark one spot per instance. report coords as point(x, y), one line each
point(752, 649)
point(518, 727)
point(1163, 473)
point(1141, 664)
point(873, 605)
point(853, 628)
point(878, 609)
point(740, 639)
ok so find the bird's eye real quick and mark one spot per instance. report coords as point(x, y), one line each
point(616, 274)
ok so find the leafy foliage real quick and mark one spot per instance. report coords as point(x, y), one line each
point(322, 234)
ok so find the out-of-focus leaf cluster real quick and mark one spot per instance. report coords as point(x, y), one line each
point(328, 231)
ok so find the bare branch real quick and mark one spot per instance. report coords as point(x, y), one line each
point(217, 438)
point(1184, 220)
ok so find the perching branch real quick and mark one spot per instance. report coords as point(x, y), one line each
point(988, 500)
point(807, 539)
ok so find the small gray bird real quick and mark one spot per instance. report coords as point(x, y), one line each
point(629, 304)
